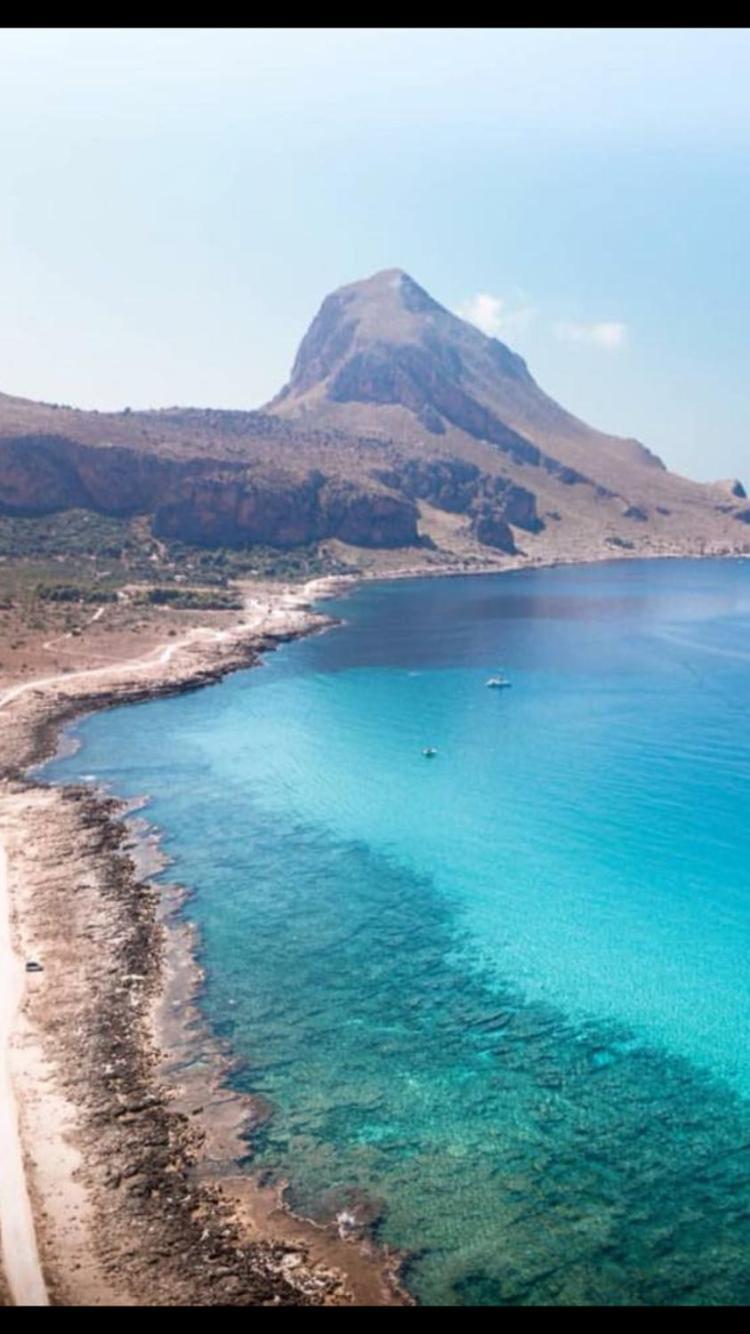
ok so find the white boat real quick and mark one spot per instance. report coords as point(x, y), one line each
point(429, 752)
point(497, 682)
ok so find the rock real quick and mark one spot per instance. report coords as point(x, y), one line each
point(449, 484)
point(490, 528)
point(732, 486)
point(518, 506)
point(285, 511)
point(456, 486)
point(202, 500)
point(432, 421)
point(427, 380)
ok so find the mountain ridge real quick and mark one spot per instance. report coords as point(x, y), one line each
point(401, 426)
point(365, 321)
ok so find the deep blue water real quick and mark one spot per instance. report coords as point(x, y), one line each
point(500, 998)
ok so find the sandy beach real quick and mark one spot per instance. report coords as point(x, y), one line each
point(118, 1185)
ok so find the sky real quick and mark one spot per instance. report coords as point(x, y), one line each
point(176, 204)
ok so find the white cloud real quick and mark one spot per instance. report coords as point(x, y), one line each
point(501, 318)
point(496, 316)
point(609, 334)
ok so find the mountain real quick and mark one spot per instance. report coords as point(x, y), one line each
point(402, 426)
point(385, 343)
point(382, 357)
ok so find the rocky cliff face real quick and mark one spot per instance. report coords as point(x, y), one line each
point(40, 474)
point(234, 509)
point(493, 502)
point(200, 500)
point(397, 414)
point(383, 358)
point(385, 341)
point(426, 381)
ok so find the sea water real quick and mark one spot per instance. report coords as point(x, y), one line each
point(498, 1000)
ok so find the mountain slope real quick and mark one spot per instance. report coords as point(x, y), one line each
point(385, 341)
point(401, 426)
point(383, 358)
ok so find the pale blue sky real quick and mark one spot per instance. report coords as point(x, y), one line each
point(175, 205)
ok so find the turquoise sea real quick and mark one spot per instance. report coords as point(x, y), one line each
point(499, 1000)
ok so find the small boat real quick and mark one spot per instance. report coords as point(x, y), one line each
point(429, 752)
point(497, 682)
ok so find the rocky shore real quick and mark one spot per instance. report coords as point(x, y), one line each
point(131, 1135)
point(130, 1153)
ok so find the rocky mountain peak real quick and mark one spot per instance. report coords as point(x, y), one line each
point(385, 340)
point(383, 357)
point(401, 426)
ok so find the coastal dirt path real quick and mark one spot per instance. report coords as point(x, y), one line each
point(58, 639)
point(19, 1254)
point(18, 1245)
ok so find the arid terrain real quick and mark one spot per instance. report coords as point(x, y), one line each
point(151, 552)
point(402, 428)
point(108, 1133)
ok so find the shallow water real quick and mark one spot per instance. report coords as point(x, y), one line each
point(500, 999)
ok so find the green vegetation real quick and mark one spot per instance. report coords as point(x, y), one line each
point(219, 565)
point(110, 552)
point(28, 584)
point(188, 599)
point(53, 564)
point(74, 593)
point(72, 533)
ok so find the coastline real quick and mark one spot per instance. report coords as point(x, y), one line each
point(128, 1151)
point(23, 1271)
point(133, 1198)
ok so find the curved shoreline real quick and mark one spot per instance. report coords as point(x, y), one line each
point(109, 1153)
point(261, 1253)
